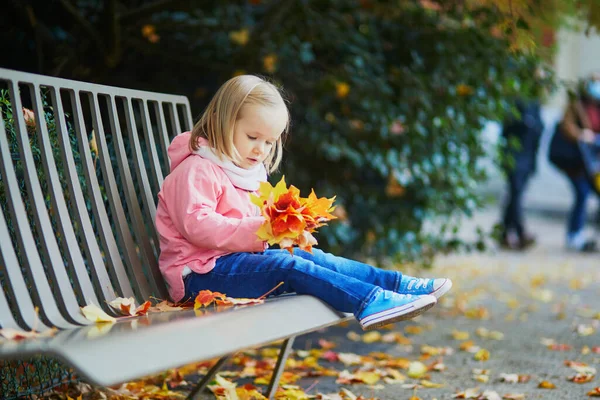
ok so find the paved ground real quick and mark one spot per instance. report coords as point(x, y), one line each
point(545, 293)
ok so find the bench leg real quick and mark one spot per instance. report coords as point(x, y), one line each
point(284, 352)
point(207, 378)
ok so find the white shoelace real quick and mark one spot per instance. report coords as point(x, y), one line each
point(418, 283)
point(389, 294)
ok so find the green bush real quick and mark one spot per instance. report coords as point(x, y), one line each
point(388, 98)
point(388, 105)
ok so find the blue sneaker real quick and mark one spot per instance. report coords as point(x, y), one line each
point(435, 287)
point(387, 307)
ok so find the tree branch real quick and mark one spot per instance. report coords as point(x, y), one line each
point(132, 15)
point(87, 27)
point(113, 33)
point(24, 14)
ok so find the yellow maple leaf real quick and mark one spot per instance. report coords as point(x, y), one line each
point(482, 355)
point(429, 384)
point(224, 389)
point(249, 392)
point(291, 393)
point(266, 191)
point(416, 369)
point(370, 378)
point(371, 337)
point(546, 385)
point(96, 314)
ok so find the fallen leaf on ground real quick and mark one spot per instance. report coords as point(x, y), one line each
point(416, 369)
point(350, 358)
point(472, 393)
point(514, 396)
point(428, 384)
point(326, 344)
point(514, 378)
point(460, 335)
point(371, 337)
point(469, 346)
point(560, 347)
point(223, 389)
point(546, 385)
point(482, 355)
point(489, 395)
point(594, 392)
point(585, 330)
point(413, 329)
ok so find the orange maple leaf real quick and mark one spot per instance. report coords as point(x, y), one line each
point(290, 219)
point(206, 298)
point(594, 392)
point(143, 309)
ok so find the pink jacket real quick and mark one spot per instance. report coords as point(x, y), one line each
point(200, 216)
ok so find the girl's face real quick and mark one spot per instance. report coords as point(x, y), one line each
point(256, 132)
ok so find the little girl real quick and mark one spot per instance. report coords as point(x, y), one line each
point(207, 224)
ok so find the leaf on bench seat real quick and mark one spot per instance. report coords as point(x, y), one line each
point(164, 306)
point(15, 334)
point(232, 301)
point(95, 314)
point(126, 306)
point(206, 297)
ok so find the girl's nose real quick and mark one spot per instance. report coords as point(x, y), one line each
point(258, 149)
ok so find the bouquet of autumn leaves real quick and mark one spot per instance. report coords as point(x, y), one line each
point(290, 219)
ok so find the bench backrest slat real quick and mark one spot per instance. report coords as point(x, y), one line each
point(137, 220)
point(31, 262)
point(9, 264)
point(91, 247)
point(118, 272)
point(87, 233)
point(105, 233)
point(70, 248)
point(156, 177)
point(140, 169)
point(163, 134)
point(51, 254)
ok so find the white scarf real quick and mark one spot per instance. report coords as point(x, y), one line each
point(246, 179)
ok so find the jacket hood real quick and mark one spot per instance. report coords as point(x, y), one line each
point(179, 149)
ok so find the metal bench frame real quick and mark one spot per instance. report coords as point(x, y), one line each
point(113, 250)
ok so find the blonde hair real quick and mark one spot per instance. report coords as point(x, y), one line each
point(217, 123)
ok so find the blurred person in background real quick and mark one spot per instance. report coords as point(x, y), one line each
point(581, 122)
point(522, 136)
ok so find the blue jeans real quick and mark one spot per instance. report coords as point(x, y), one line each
point(344, 284)
point(513, 210)
point(581, 190)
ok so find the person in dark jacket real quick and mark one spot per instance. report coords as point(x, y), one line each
point(522, 135)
